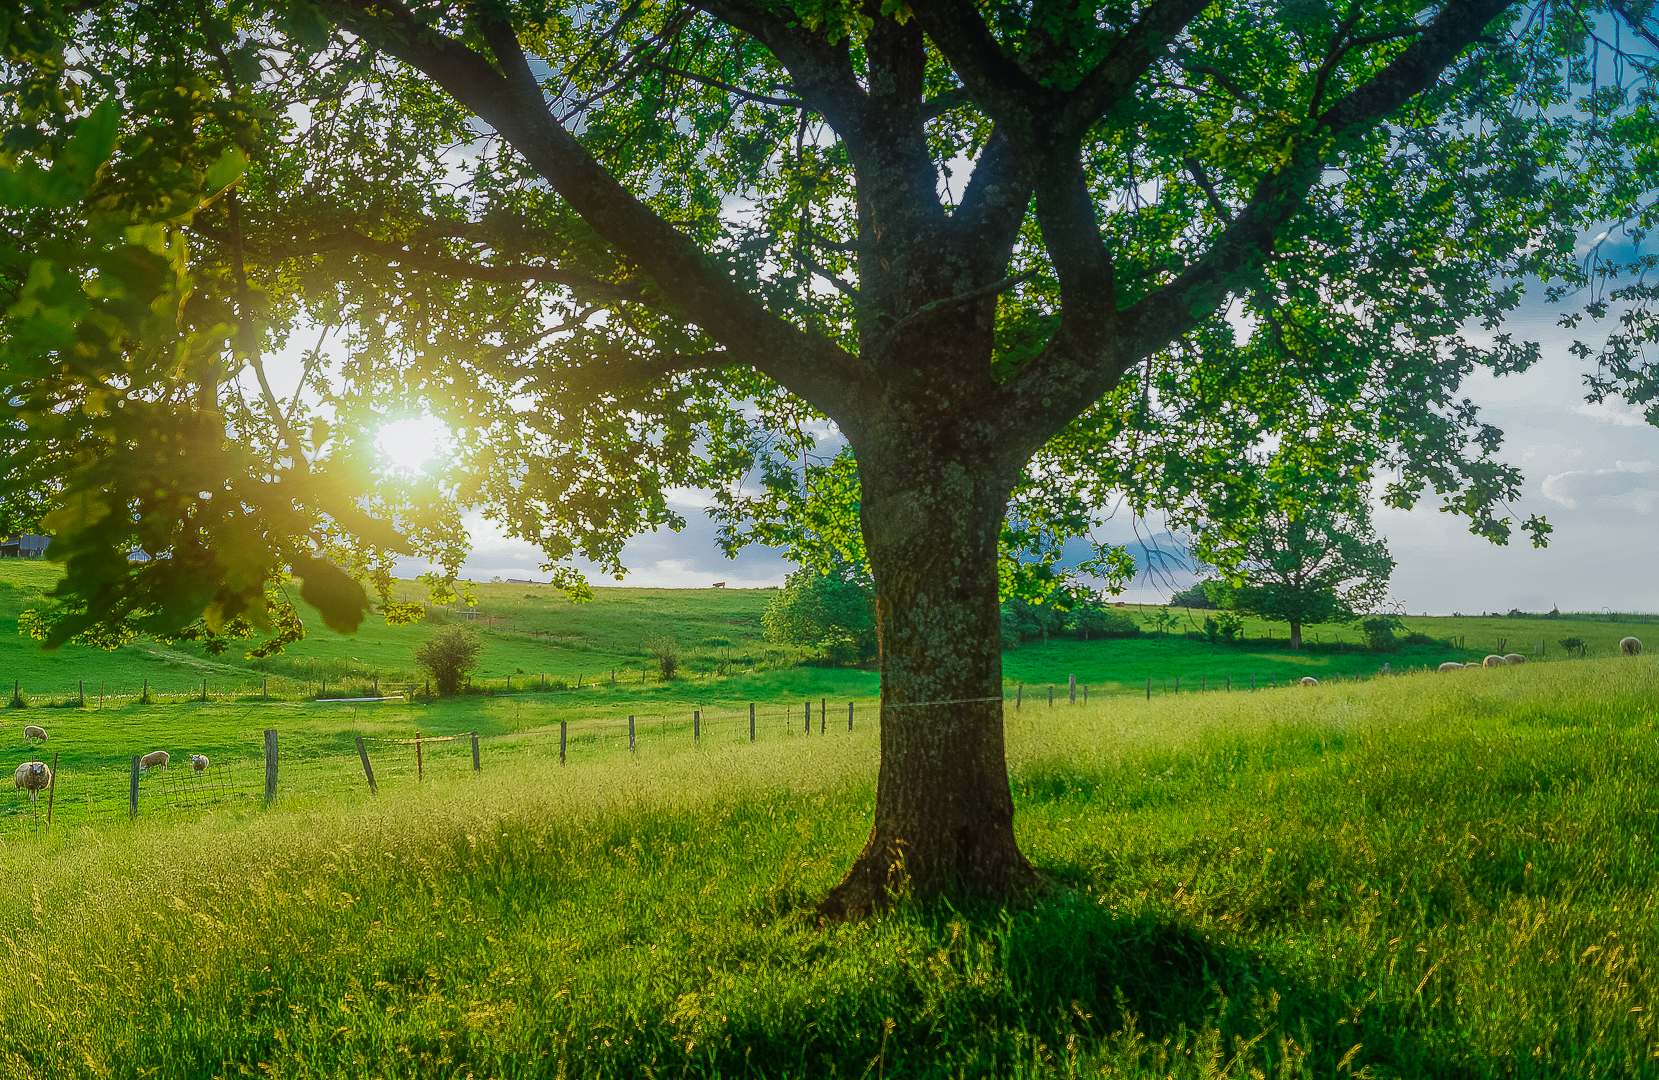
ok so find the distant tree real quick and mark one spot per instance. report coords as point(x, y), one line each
point(1300, 564)
point(832, 612)
point(1090, 620)
point(1195, 597)
point(448, 656)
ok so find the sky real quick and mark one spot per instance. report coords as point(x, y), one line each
point(1591, 470)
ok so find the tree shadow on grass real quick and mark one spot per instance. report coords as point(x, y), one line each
point(1064, 980)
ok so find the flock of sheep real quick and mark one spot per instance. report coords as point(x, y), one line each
point(35, 777)
point(1628, 646)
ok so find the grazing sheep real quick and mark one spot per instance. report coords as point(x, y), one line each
point(1514, 658)
point(33, 732)
point(199, 762)
point(1451, 665)
point(1309, 680)
point(1630, 646)
point(1493, 660)
point(155, 759)
point(33, 777)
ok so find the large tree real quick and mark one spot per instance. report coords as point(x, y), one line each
point(1022, 256)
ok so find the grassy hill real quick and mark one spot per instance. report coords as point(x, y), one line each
point(537, 638)
point(1421, 876)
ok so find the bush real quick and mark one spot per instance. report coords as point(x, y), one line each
point(666, 652)
point(1091, 619)
point(1223, 626)
point(1573, 644)
point(448, 656)
point(1379, 633)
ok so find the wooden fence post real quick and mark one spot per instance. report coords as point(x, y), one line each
point(420, 768)
point(809, 718)
point(204, 691)
point(1149, 688)
point(429, 691)
point(696, 726)
point(1071, 687)
point(132, 792)
point(144, 699)
point(265, 688)
point(1177, 684)
point(270, 765)
point(368, 771)
point(1085, 693)
point(83, 705)
point(632, 746)
point(17, 691)
point(1019, 692)
point(51, 789)
point(751, 721)
point(475, 765)
point(849, 716)
point(562, 724)
point(823, 715)
point(1051, 695)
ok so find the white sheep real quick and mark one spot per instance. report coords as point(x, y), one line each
point(1493, 660)
point(1308, 680)
point(199, 762)
point(1451, 665)
point(1514, 658)
point(33, 777)
point(155, 759)
point(33, 732)
point(1630, 646)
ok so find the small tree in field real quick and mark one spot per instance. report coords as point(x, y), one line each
point(833, 612)
point(448, 656)
point(666, 652)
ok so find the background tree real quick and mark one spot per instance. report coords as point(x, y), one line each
point(1300, 562)
point(666, 652)
point(449, 656)
point(830, 612)
point(624, 248)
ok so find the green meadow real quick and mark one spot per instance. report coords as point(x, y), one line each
point(1419, 876)
point(535, 639)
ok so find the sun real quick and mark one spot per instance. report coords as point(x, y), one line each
point(411, 444)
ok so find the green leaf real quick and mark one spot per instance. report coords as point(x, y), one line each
point(337, 596)
point(91, 145)
point(227, 170)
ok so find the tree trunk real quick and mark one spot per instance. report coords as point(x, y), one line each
point(944, 815)
point(1295, 635)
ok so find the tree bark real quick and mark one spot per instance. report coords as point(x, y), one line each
point(944, 814)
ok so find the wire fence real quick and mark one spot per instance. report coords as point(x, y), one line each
point(104, 793)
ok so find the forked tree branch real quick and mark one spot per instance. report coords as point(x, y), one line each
point(1072, 372)
point(512, 102)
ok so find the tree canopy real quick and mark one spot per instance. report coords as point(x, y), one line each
point(1021, 258)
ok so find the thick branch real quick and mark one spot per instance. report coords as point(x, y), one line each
point(1114, 77)
point(511, 101)
point(1073, 372)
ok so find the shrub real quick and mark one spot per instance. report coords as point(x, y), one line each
point(1223, 626)
point(666, 652)
point(448, 656)
point(1379, 633)
point(1091, 619)
point(1573, 644)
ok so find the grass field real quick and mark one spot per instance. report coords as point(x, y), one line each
point(533, 635)
point(1420, 876)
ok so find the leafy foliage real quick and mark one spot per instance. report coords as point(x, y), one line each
point(666, 652)
point(832, 612)
point(448, 656)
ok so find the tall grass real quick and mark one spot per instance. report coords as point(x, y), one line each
point(1424, 876)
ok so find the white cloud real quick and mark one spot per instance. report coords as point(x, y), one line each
point(1612, 411)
